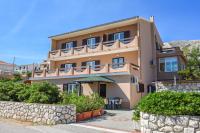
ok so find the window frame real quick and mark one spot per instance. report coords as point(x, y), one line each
point(91, 42)
point(119, 35)
point(169, 61)
point(70, 90)
point(118, 65)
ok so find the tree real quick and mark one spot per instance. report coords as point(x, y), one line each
point(192, 71)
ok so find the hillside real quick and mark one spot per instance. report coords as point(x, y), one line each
point(184, 43)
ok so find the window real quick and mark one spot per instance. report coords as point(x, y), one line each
point(118, 62)
point(67, 45)
point(67, 67)
point(119, 36)
point(70, 88)
point(93, 64)
point(169, 64)
point(134, 79)
point(91, 42)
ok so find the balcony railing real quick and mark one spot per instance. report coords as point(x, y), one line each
point(103, 46)
point(98, 69)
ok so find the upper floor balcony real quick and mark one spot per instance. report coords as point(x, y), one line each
point(128, 68)
point(101, 48)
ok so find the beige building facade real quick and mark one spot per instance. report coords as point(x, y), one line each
point(121, 57)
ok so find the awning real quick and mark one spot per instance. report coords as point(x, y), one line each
point(94, 79)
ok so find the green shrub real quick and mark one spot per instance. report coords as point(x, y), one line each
point(170, 103)
point(9, 90)
point(42, 92)
point(84, 103)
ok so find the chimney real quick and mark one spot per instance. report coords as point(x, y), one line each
point(151, 19)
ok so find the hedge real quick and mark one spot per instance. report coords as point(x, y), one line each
point(169, 103)
point(42, 92)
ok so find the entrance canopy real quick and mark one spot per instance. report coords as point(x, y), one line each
point(95, 79)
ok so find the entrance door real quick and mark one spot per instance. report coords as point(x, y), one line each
point(102, 91)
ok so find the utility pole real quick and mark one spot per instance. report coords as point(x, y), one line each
point(13, 64)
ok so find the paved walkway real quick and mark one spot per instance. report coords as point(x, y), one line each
point(115, 119)
point(112, 122)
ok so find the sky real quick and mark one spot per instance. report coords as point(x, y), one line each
point(25, 25)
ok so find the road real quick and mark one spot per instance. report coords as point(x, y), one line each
point(14, 127)
point(115, 121)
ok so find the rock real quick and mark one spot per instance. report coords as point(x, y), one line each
point(153, 126)
point(170, 121)
point(145, 116)
point(182, 120)
point(161, 121)
point(188, 130)
point(153, 118)
point(194, 123)
point(178, 128)
point(166, 129)
point(144, 123)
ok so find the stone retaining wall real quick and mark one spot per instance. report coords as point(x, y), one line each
point(183, 87)
point(38, 113)
point(174, 124)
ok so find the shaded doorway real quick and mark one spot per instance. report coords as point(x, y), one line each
point(102, 90)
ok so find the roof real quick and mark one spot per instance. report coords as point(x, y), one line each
point(95, 79)
point(97, 27)
point(4, 63)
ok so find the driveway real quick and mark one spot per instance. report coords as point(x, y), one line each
point(115, 119)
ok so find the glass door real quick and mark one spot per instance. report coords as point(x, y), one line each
point(91, 42)
point(119, 36)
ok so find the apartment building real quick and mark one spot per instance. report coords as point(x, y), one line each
point(6, 69)
point(117, 59)
point(26, 68)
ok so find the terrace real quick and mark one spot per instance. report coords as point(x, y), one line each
point(102, 48)
point(86, 70)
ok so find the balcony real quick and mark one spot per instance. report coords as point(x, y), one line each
point(102, 48)
point(86, 70)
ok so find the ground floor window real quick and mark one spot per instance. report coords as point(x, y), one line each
point(71, 88)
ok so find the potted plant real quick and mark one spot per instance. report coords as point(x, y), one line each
point(79, 117)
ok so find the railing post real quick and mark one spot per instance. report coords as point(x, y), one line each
point(128, 67)
point(57, 71)
point(72, 50)
point(107, 68)
point(117, 44)
point(72, 71)
point(59, 52)
point(101, 46)
point(88, 69)
point(44, 72)
point(86, 49)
